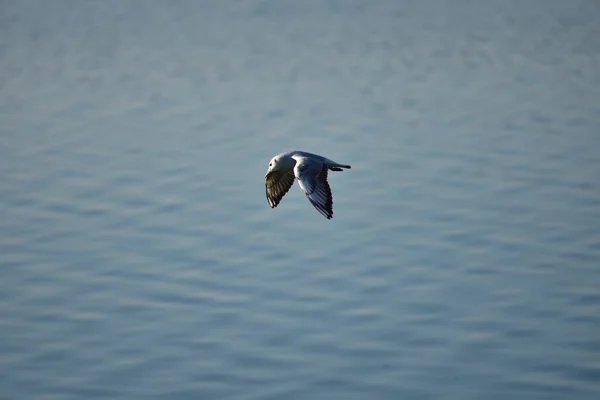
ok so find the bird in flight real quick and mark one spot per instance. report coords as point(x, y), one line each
point(311, 172)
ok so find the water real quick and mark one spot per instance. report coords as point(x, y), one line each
point(139, 257)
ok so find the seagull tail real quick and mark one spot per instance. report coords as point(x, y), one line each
point(338, 167)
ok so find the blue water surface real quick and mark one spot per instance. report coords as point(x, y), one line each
point(139, 257)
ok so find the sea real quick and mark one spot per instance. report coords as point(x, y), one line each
point(139, 258)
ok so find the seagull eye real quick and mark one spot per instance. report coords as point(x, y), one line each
point(270, 164)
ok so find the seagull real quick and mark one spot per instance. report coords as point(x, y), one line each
point(311, 172)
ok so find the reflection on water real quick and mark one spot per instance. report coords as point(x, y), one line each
point(139, 255)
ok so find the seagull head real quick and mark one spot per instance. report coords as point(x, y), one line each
point(280, 162)
point(274, 165)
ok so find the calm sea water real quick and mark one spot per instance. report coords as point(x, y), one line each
point(138, 255)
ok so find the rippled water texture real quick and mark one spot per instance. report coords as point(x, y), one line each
point(139, 257)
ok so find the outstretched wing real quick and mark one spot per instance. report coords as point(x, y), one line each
point(312, 177)
point(278, 183)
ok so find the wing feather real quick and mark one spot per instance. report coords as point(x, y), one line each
point(312, 177)
point(277, 184)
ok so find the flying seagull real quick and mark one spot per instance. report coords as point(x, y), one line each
point(311, 172)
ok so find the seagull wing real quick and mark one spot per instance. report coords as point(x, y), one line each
point(278, 183)
point(312, 177)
